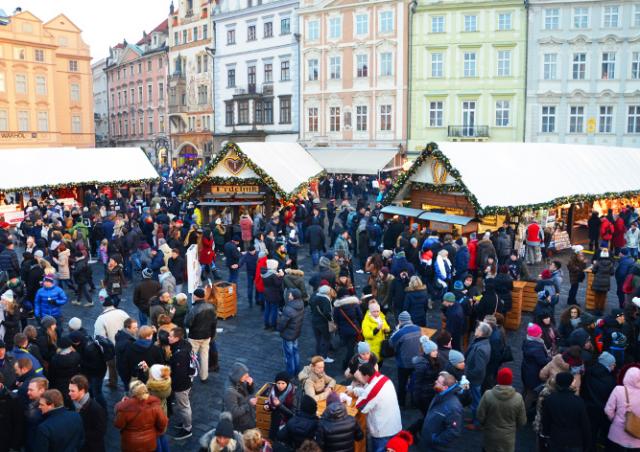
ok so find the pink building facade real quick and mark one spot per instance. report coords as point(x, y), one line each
point(137, 86)
point(354, 80)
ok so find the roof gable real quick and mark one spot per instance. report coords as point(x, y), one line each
point(62, 22)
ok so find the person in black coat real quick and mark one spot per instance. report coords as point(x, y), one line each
point(180, 363)
point(564, 417)
point(94, 367)
point(232, 256)
point(316, 242)
point(11, 419)
point(337, 431)
point(597, 383)
point(124, 338)
point(177, 268)
point(348, 317)
point(593, 224)
point(534, 358)
point(94, 416)
point(60, 429)
point(504, 286)
point(302, 426)
point(141, 355)
point(397, 292)
point(454, 315)
point(64, 365)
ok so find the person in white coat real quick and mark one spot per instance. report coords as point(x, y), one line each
point(107, 325)
point(379, 402)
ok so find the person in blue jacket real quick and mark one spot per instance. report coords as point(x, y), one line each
point(157, 262)
point(443, 423)
point(454, 315)
point(49, 300)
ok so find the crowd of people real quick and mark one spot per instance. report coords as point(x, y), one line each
point(580, 376)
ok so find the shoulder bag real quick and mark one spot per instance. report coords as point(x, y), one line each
point(359, 336)
point(330, 323)
point(631, 421)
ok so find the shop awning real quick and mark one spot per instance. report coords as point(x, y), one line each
point(354, 161)
point(230, 203)
point(402, 211)
point(444, 218)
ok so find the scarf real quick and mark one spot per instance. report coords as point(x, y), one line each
point(79, 404)
point(575, 322)
point(535, 339)
point(282, 396)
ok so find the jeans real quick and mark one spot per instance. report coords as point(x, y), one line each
point(573, 291)
point(270, 313)
point(322, 340)
point(291, 357)
point(315, 257)
point(113, 374)
point(377, 444)
point(349, 343)
point(250, 289)
point(534, 254)
point(142, 317)
point(183, 408)
point(201, 347)
point(179, 288)
point(300, 228)
point(95, 389)
point(633, 252)
point(260, 298)
point(233, 275)
point(476, 394)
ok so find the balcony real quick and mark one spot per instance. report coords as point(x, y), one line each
point(468, 133)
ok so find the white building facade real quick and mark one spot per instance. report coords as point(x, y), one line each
point(256, 73)
point(583, 76)
point(100, 102)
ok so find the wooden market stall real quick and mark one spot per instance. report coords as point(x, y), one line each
point(250, 176)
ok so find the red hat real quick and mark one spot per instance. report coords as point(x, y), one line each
point(534, 330)
point(324, 282)
point(4, 225)
point(400, 442)
point(546, 274)
point(505, 377)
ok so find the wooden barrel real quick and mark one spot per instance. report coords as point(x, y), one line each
point(514, 317)
point(226, 295)
point(529, 297)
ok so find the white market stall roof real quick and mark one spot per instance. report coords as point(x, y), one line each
point(499, 176)
point(354, 161)
point(284, 166)
point(39, 168)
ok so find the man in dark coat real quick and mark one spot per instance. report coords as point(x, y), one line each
point(141, 355)
point(597, 383)
point(11, 419)
point(9, 261)
point(180, 363)
point(61, 430)
point(443, 423)
point(124, 338)
point(201, 320)
point(144, 292)
point(94, 416)
point(337, 431)
point(232, 255)
point(302, 426)
point(177, 268)
point(593, 225)
point(454, 315)
point(478, 356)
point(316, 242)
point(289, 324)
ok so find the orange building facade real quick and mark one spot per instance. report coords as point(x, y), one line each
point(46, 97)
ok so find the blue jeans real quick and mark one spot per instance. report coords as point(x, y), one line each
point(633, 252)
point(233, 275)
point(260, 298)
point(250, 289)
point(315, 257)
point(142, 317)
point(291, 357)
point(95, 389)
point(270, 313)
point(300, 228)
point(476, 395)
point(378, 444)
point(322, 341)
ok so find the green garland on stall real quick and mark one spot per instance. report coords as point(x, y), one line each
point(80, 184)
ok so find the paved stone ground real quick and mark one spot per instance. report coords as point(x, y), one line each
point(243, 339)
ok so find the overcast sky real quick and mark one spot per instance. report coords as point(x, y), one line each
point(103, 23)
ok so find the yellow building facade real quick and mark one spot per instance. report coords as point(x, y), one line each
point(46, 95)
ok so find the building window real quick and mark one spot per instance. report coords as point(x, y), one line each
point(633, 120)
point(228, 113)
point(312, 115)
point(3, 83)
point(140, 94)
point(23, 121)
point(386, 64)
point(437, 65)
point(470, 23)
point(611, 17)
point(251, 33)
point(335, 28)
point(76, 125)
point(205, 63)
point(43, 121)
point(231, 37)
point(4, 121)
point(38, 55)
point(203, 95)
point(550, 66)
point(267, 106)
point(548, 119)
point(141, 124)
point(362, 65)
point(385, 117)
point(504, 63)
point(470, 59)
point(579, 68)
point(198, 64)
point(437, 24)
point(21, 84)
point(605, 120)
point(361, 118)
point(133, 96)
point(195, 33)
point(184, 41)
point(140, 68)
point(160, 91)
point(608, 65)
point(18, 53)
point(268, 72)
point(73, 66)
point(313, 30)
point(503, 108)
point(335, 67)
point(551, 18)
point(581, 17)
point(161, 123)
point(205, 32)
point(284, 71)
point(436, 113)
point(504, 21)
point(149, 93)
point(268, 29)
point(285, 26)
point(313, 69)
point(635, 66)
point(41, 85)
point(231, 78)
point(258, 112)
point(149, 65)
point(251, 78)
point(285, 109)
point(576, 119)
point(176, 38)
point(334, 119)
point(386, 22)
point(362, 24)
point(150, 125)
point(243, 112)
point(636, 16)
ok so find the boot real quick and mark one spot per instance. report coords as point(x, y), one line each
point(213, 362)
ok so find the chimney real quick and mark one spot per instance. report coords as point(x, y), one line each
point(171, 8)
point(18, 10)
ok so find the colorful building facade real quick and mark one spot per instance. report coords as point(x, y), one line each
point(100, 102)
point(467, 66)
point(46, 96)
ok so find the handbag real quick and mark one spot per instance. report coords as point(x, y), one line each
point(386, 349)
point(631, 421)
point(333, 327)
point(359, 336)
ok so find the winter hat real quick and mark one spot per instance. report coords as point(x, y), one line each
point(636, 301)
point(577, 249)
point(47, 321)
point(39, 254)
point(400, 442)
point(617, 313)
point(103, 295)
point(76, 337)
point(64, 342)
point(75, 324)
point(413, 241)
point(324, 262)
point(198, 293)
point(308, 405)
point(569, 358)
point(458, 285)
point(606, 359)
point(237, 371)
point(564, 379)
point(49, 278)
point(224, 428)
point(450, 297)
point(428, 345)
point(363, 347)
point(404, 317)
point(604, 252)
point(546, 274)
point(324, 282)
point(282, 376)
point(333, 397)
point(8, 295)
point(272, 264)
point(534, 330)
point(147, 273)
point(505, 377)
point(455, 357)
point(587, 319)
point(295, 292)
point(324, 290)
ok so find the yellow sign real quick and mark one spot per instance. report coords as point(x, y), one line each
point(235, 189)
point(447, 210)
point(439, 172)
point(591, 125)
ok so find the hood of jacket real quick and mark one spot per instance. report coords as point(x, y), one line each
point(632, 378)
point(346, 301)
point(503, 392)
point(296, 304)
point(294, 272)
point(142, 344)
point(335, 411)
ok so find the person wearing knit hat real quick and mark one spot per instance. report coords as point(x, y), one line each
point(455, 319)
point(427, 366)
point(302, 425)
point(7, 296)
point(75, 324)
point(478, 356)
point(607, 360)
point(534, 330)
point(280, 402)
point(501, 412)
point(404, 318)
point(363, 355)
point(147, 273)
point(598, 381)
point(456, 359)
point(406, 342)
point(47, 321)
point(428, 346)
point(400, 442)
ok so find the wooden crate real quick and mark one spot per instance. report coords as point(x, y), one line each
point(529, 297)
point(590, 302)
point(263, 418)
point(226, 295)
point(514, 317)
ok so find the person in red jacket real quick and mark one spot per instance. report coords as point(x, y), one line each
point(473, 253)
point(606, 232)
point(534, 238)
point(259, 283)
point(619, 230)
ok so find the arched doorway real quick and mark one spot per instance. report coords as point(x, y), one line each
point(188, 154)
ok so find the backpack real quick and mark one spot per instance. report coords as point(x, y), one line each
point(106, 347)
point(627, 286)
point(194, 365)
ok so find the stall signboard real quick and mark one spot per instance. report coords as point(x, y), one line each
point(447, 210)
point(440, 227)
point(235, 189)
point(12, 214)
